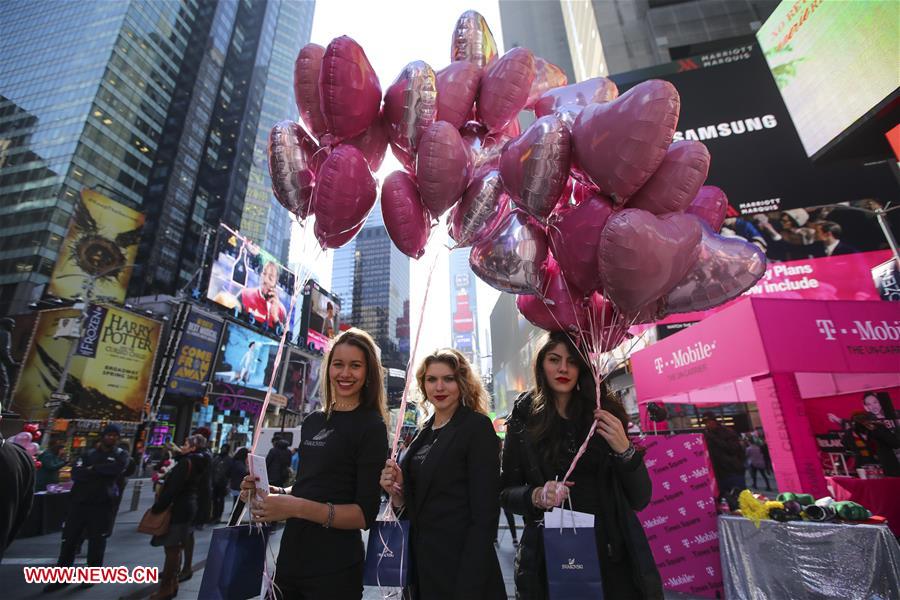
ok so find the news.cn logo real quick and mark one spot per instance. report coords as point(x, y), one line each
point(867, 331)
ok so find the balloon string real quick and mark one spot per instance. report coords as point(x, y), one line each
point(412, 357)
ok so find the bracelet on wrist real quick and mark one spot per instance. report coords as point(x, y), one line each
point(330, 520)
point(625, 454)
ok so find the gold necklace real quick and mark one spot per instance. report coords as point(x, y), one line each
point(345, 406)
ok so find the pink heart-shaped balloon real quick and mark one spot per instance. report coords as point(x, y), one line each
point(555, 308)
point(484, 148)
point(574, 234)
point(345, 191)
point(484, 204)
point(404, 215)
point(442, 167)
point(511, 259)
point(337, 240)
point(349, 92)
point(505, 87)
point(677, 180)
point(568, 101)
point(457, 87)
point(547, 76)
point(535, 166)
point(725, 269)
point(373, 143)
point(642, 256)
point(410, 107)
point(710, 205)
point(620, 144)
point(306, 88)
point(293, 162)
point(472, 40)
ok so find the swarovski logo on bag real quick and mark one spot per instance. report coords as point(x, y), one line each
point(386, 553)
point(572, 565)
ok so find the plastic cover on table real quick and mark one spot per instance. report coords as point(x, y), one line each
point(802, 560)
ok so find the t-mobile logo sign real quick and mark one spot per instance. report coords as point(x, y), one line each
point(866, 330)
point(686, 356)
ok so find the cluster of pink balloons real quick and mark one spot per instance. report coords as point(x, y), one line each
point(591, 211)
point(25, 439)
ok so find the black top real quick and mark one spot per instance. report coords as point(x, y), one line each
point(16, 490)
point(451, 488)
point(426, 438)
point(342, 461)
point(608, 487)
point(96, 476)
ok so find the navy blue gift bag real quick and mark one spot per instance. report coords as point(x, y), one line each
point(235, 563)
point(387, 554)
point(573, 568)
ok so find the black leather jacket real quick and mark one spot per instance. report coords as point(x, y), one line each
point(620, 534)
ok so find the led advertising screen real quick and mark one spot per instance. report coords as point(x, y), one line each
point(101, 243)
point(833, 61)
point(321, 312)
point(110, 371)
point(245, 363)
point(463, 306)
point(729, 101)
point(250, 282)
point(301, 382)
point(194, 357)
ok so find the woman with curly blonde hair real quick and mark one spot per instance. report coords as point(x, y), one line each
point(448, 486)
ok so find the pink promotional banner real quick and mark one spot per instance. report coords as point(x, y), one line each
point(680, 521)
point(830, 337)
point(766, 335)
point(846, 277)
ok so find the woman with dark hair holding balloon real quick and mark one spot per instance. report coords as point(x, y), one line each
point(543, 435)
point(448, 486)
point(336, 492)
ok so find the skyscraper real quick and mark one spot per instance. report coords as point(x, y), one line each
point(463, 306)
point(156, 104)
point(371, 278)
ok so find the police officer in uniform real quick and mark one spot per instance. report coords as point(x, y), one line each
point(95, 496)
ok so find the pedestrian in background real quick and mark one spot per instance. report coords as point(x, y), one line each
point(52, 460)
point(448, 486)
point(180, 492)
point(757, 463)
point(336, 493)
point(278, 463)
point(728, 458)
point(547, 427)
point(221, 466)
point(94, 499)
point(236, 474)
point(16, 489)
point(202, 467)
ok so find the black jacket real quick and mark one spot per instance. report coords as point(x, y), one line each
point(278, 463)
point(453, 507)
point(96, 477)
point(181, 488)
point(620, 537)
point(16, 490)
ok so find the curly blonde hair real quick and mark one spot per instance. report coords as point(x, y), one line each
point(471, 392)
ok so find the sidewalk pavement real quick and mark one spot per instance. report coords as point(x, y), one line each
point(128, 547)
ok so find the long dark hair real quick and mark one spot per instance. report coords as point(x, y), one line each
point(544, 423)
point(372, 395)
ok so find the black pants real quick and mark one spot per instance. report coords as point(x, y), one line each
point(510, 521)
point(84, 521)
point(343, 585)
point(218, 505)
point(754, 471)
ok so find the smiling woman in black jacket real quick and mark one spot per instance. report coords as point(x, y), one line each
point(543, 434)
point(448, 486)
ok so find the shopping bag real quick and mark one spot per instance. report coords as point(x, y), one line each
point(387, 554)
point(235, 563)
point(573, 568)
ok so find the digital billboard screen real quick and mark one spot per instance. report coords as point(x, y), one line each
point(729, 101)
point(245, 362)
point(834, 61)
point(194, 357)
point(321, 311)
point(249, 281)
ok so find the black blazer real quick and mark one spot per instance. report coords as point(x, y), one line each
point(452, 507)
